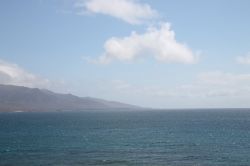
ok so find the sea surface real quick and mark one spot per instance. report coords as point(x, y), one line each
point(148, 138)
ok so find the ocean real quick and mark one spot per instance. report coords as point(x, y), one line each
point(148, 138)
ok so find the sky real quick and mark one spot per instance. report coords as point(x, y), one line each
point(152, 53)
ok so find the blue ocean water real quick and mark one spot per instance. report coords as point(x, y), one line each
point(164, 138)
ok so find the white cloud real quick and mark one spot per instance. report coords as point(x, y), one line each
point(130, 11)
point(244, 59)
point(12, 74)
point(158, 42)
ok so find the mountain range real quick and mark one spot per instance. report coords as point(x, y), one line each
point(19, 98)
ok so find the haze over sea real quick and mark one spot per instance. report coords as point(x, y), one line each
point(171, 138)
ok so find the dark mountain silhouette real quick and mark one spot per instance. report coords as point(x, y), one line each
point(18, 98)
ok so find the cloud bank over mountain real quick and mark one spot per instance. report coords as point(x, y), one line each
point(12, 74)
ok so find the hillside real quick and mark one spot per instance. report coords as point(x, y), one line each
point(17, 98)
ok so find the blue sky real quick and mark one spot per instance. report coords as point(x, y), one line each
point(165, 54)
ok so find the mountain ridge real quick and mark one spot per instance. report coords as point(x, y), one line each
point(20, 98)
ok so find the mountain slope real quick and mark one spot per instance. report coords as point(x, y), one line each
point(17, 98)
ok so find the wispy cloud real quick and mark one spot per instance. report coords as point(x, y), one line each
point(130, 11)
point(244, 59)
point(14, 75)
point(214, 84)
point(158, 42)
point(221, 84)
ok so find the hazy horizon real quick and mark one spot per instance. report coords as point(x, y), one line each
point(151, 53)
